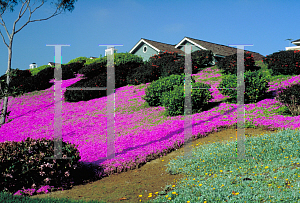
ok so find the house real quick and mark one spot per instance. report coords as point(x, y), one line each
point(93, 57)
point(297, 47)
point(33, 65)
point(51, 64)
point(109, 50)
point(147, 48)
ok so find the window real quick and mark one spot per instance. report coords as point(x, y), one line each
point(145, 49)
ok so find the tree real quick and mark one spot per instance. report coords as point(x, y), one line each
point(62, 5)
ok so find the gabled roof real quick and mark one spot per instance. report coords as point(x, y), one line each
point(158, 46)
point(296, 42)
point(217, 48)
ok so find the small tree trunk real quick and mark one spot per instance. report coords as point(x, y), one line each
point(4, 109)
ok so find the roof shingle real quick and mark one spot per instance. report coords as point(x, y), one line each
point(216, 48)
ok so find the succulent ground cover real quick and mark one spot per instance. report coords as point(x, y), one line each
point(142, 131)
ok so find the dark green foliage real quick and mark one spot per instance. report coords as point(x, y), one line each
point(173, 68)
point(163, 58)
point(22, 73)
point(28, 84)
point(93, 69)
point(229, 63)
point(161, 65)
point(256, 86)
point(155, 90)
point(96, 76)
point(284, 62)
point(291, 98)
point(48, 73)
point(38, 83)
point(22, 85)
point(123, 70)
point(21, 164)
point(163, 62)
point(200, 97)
point(201, 59)
point(166, 64)
point(143, 74)
point(85, 95)
point(15, 75)
point(23, 82)
point(174, 100)
point(73, 67)
point(170, 63)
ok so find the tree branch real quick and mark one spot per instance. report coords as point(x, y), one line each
point(36, 20)
point(5, 27)
point(3, 39)
point(14, 26)
point(22, 9)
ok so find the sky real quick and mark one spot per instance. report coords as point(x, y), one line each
point(265, 24)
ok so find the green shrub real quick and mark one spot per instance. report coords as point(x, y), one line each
point(174, 100)
point(48, 73)
point(173, 68)
point(155, 90)
point(91, 61)
point(284, 62)
point(201, 59)
point(256, 86)
point(16, 74)
point(93, 69)
point(23, 164)
point(283, 110)
point(291, 98)
point(143, 74)
point(86, 95)
point(119, 58)
point(170, 63)
point(96, 76)
point(17, 77)
point(78, 59)
point(74, 67)
point(23, 82)
point(165, 64)
point(34, 71)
